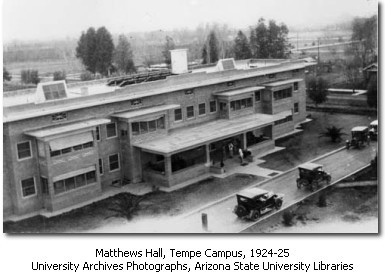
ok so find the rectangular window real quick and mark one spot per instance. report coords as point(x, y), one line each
point(91, 177)
point(160, 123)
point(135, 128)
point(296, 107)
point(100, 166)
point(249, 102)
point(213, 106)
point(241, 104)
point(59, 186)
point(281, 94)
point(24, 150)
point(114, 162)
point(111, 130)
point(98, 133)
point(178, 114)
point(123, 133)
point(28, 187)
point(152, 126)
point(143, 127)
point(77, 181)
point(295, 86)
point(69, 183)
point(222, 106)
point(202, 109)
point(80, 180)
point(66, 150)
point(257, 96)
point(190, 111)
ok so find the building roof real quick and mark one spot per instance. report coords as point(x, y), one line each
point(372, 67)
point(135, 91)
point(187, 138)
point(146, 111)
point(374, 123)
point(284, 82)
point(66, 128)
point(359, 128)
point(240, 91)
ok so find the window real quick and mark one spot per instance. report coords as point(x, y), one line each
point(143, 127)
point(241, 104)
point(136, 101)
point(24, 150)
point(188, 158)
point(296, 107)
point(202, 109)
point(72, 183)
point(123, 133)
point(160, 123)
point(72, 149)
point(44, 185)
point(135, 128)
point(178, 114)
point(54, 91)
point(295, 86)
point(114, 162)
point(98, 133)
point(281, 94)
point(213, 106)
point(284, 120)
point(257, 96)
point(28, 187)
point(100, 166)
point(115, 182)
point(59, 117)
point(190, 111)
point(111, 130)
point(222, 106)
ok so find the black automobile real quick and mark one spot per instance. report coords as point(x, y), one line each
point(254, 202)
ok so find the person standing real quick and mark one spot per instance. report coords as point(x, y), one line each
point(231, 150)
point(240, 155)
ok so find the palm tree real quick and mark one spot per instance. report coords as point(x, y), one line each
point(334, 133)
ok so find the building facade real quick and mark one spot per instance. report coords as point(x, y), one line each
point(73, 143)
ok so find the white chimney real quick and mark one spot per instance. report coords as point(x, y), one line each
point(179, 63)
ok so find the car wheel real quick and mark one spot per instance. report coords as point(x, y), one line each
point(278, 204)
point(240, 211)
point(255, 214)
point(314, 185)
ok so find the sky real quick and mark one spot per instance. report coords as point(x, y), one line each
point(57, 19)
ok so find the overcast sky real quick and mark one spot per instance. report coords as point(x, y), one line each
point(53, 19)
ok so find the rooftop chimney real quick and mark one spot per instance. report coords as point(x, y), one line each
point(179, 61)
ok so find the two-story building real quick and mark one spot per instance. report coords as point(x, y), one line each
point(66, 145)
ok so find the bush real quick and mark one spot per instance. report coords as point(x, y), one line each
point(87, 76)
point(30, 76)
point(59, 75)
point(288, 217)
point(125, 206)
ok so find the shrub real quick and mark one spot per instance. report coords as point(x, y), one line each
point(30, 76)
point(288, 217)
point(86, 76)
point(59, 75)
point(125, 206)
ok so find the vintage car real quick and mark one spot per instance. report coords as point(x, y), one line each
point(373, 130)
point(360, 136)
point(311, 175)
point(254, 202)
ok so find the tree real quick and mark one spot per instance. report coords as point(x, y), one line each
point(365, 30)
point(210, 52)
point(372, 92)
point(123, 56)
point(269, 41)
point(104, 51)
point(333, 133)
point(86, 49)
point(59, 75)
point(352, 72)
point(30, 76)
point(95, 49)
point(6, 75)
point(241, 46)
point(317, 90)
point(169, 45)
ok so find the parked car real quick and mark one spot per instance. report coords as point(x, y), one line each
point(254, 202)
point(311, 175)
point(360, 136)
point(373, 130)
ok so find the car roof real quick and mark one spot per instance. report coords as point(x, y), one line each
point(252, 192)
point(359, 128)
point(309, 166)
point(375, 122)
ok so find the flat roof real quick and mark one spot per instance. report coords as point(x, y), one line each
point(187, 138)
point(171, 84)
point(359, 128)
point(240, 91)
point(280, 83)
point(60, 129)
point(145, 111)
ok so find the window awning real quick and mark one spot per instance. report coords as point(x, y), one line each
point(145, 111)
point(70, 141)
point(74, 173)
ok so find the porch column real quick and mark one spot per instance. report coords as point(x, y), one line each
point(244, 145)
point(208, 161)
point(167, 166)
